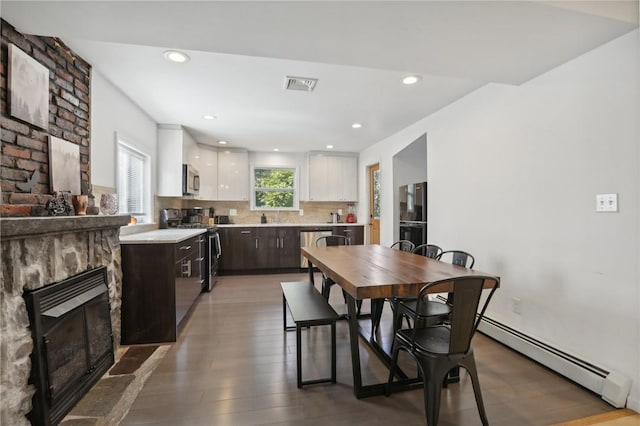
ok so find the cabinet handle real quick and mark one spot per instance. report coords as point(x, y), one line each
point(185, 248)
point(200, 259)
point(201, 240)
point(277, 242)
point(347, 230)
point(256, 243)
point(245, 232)
point(281, 242)
point(186, 268)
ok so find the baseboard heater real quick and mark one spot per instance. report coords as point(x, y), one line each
point(612, 386)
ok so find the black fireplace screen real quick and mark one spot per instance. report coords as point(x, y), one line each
point(73, 346)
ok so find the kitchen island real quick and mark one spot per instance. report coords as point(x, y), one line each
point(162, 276)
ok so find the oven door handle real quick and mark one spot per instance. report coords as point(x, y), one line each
point(218, 247)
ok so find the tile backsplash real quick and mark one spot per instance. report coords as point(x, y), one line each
point(314, 212)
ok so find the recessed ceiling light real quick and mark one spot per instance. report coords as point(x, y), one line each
point(329, 146)
point(276, 149)
point(411, 79)
point(209, 117)
point(356, 125)
point(176, 56)
point(223, 142)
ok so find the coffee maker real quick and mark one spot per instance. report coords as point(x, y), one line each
point(192, 216)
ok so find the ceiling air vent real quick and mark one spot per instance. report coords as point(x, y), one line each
point(304, 84)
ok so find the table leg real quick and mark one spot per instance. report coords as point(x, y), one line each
point(311, 279)
point(355, 349)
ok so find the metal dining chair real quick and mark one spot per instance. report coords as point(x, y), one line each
point(427, 250)
point(439, 349)
point(377, 305)
point(434, 308)
point(327, 283)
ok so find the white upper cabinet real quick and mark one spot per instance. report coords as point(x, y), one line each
point(175, 148)
point(233, 175)
point(208, 173)
point(333, 177)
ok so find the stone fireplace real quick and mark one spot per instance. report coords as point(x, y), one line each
point(36, 252)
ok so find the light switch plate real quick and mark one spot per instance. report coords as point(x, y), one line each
point(301, 212)
point(233, 212)
point(607, 203)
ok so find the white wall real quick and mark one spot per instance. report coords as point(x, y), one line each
point(112, 111)
point(513, 173)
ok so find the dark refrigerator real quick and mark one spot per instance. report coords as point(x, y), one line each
point(413, 213)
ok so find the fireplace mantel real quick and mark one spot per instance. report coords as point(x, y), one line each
point(20, 227)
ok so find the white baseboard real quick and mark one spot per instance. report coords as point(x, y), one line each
point(584, 373)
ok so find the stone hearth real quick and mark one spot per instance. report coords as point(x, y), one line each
point(36, 252)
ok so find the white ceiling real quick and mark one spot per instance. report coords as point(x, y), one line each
point(359, 50)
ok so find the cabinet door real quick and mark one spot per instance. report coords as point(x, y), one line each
point(289, 247)
point(238, 249)
point(169, 162)
point(188, 275)
point(208, 174)
point(333, 178)
point(267, 252)
point(233, 176)
point(349, 179)
point(190, 151)
point(318, 178)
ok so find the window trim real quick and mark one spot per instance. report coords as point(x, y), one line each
point(295, 189)
point(126, 144)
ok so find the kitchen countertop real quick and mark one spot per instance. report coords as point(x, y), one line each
point(161, 236)
point(298, 225)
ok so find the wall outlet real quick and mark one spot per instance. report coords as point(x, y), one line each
point(233, 212)
point(301, 212)
point(516, 305)
point(607, 202)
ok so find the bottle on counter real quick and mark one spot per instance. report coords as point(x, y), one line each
point(263, 219)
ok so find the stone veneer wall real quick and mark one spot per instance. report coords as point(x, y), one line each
point(36, 252)
point(25, 147)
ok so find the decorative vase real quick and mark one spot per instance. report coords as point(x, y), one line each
point(92, 209)
point(109, 204)
point(80, 204)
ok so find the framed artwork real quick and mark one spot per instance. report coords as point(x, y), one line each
point(28, 88)
point(64, 166)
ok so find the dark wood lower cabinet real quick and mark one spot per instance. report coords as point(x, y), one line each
point(269, 249)
point(160, 283)
point(355, 233)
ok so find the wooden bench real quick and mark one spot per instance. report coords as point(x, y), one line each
point(308, 308)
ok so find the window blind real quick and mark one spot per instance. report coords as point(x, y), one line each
point(131, 169)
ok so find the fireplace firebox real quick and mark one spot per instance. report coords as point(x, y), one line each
point(73, 343)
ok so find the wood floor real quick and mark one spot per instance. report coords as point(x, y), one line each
point(234, 365)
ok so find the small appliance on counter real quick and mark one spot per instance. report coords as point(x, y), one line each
point(192, 215)
point(222, 220)
point(351, 216)
point(170, 218)
point(335, 217)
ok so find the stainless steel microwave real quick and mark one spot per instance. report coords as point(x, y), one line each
point(190, 180)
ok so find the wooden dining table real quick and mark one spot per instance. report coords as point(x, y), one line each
point(372, 272)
